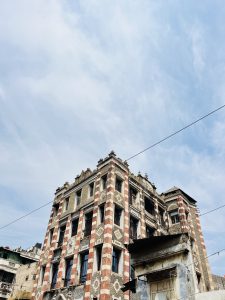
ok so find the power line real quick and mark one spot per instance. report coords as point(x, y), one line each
point(208, 212)
point(151, 146)
point(24, 216)
point(217, 252)
point(176, 132)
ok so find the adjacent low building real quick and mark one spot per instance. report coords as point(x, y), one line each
point(93, 219)
point(10, 263)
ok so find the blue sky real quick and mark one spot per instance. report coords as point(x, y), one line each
point(78, 80)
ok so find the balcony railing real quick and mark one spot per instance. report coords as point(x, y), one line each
point(5, 287)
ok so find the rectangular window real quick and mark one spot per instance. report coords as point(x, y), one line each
point(161, 216)
point(118, 184)
point(74, 227)
point(174, 216)
point(98, 257)
point(133, 228)
point(78, 197)
point(115, 260)
point(83, 266)
point(149, 206)
point(51, 231)
point(101, 213)
point(57, 254)
point(117, 215)
point(104, 182)
point(62, 230)
point(55, 268)
point(69, 264)
point(91, 189)
point(42, 274)
point(132, 195)
point(149, 231)
point(88, 224)
point(66, 204)
point(55, 209)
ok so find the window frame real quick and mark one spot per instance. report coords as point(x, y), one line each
point(119, 184)
point(68, 270)
point(54, 274)
point(117, 215)
point(116, 256)
point(83, 266)
point(77, 225)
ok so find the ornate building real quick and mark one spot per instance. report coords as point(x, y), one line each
point(84, 254)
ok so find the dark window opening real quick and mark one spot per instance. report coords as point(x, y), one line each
point(149, 231)
point(83, 266)
point(117, 215)
point(174, 216)
point(55, 268)
point(66, 204)
point(74, 227)
point(132, 273)
point(91, 189)
point(132, 195)
point(118, 184)
point(161, 216)
point(133, 228)
point(42, 274)
point(149, 206)
point(78, 197)
point(57, 254)
point(98, 257)
point(56, 209)
point(104, 181)
point(88, 224)
point(115, 260)
point(5, 255)
point(27, 277)
point(62, 230)
point(51, 231)
point(101, 213)
point(6, 276)
point(69, 264)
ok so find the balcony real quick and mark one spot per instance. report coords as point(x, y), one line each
point(5, 289)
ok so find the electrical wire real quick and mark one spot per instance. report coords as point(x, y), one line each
point(151, 146)
point(212, 210)
point(176, 132)
point(24, 216)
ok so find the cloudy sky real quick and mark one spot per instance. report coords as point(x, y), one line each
point(80, 78)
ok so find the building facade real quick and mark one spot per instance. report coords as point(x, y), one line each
point(10, 262)
point(84, 254)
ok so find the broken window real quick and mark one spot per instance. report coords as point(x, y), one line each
point(55, 209)
point(88, 224)
point(91, 189)
point(133, 228)
point(55, 268)
point(132, 195)
point(101, 213)
point(149, 231)
point(104, 182)
point(74, 227)
point(42, 274)
point(51, 231)
point(66, 204)
point(161, 216)
point(174, 216)
point(118, 184)
point(78, 197)
point(117, 215)
point(83, 266)
point(115, 260)
point(62, 230)
point(69, 264)
point(98, 257)
point(149, 206)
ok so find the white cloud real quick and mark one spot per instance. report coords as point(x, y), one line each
point(79, 79)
